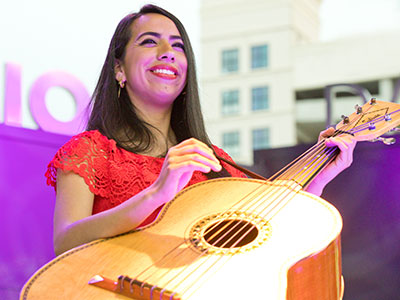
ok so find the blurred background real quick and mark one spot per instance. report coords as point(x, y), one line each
point(272, 75)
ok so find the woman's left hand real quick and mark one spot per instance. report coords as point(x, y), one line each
point(346, 144)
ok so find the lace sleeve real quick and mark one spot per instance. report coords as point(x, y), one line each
point(86, 155)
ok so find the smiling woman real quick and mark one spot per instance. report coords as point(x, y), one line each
point(145, 139)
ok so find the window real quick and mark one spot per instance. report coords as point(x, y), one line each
point(259, 98)
point(231, 143)
point(259, 57)
point(230, 102)
point(230, 60)
point(261, 139)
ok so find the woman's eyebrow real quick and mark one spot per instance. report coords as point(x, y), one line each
point(156, 34)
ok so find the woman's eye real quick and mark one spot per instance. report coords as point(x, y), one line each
point(178, 45)
point(147, 42)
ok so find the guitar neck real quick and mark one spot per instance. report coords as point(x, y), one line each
point(302, 170)
point(308, 165)
point(367, 123)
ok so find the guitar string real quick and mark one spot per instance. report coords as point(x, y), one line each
point(285, 168)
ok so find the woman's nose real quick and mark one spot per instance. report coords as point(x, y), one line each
point(166, 53)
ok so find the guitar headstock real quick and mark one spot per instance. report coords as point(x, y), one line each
point(371, 120)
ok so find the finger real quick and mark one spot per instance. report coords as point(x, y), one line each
point(195, 157)
point(326, 133)
point(192, 141)
point(193, 147)
point(346, 145)
point(331, 142)
point(196, 149)
point(188, 166)
point(344, 142)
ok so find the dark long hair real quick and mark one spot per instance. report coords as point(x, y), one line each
point(117, 119)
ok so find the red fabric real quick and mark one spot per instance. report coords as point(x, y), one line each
point(113, 174)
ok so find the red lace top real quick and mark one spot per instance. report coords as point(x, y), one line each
point(113, 174)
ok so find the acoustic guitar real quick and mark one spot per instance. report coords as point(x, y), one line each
point(228, 238)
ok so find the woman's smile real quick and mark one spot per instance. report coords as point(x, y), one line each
point(164, 71)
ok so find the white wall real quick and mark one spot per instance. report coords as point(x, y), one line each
point(354, 59)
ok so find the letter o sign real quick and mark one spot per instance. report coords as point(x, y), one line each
point(37, 102)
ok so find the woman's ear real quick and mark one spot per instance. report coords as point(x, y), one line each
point(119, 72)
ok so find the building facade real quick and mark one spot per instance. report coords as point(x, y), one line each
point(264, 71)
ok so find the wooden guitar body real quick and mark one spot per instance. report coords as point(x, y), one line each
point(293, 254)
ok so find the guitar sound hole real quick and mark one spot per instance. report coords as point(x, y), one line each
point(231, 234)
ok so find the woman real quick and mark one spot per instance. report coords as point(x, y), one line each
point(146, 139)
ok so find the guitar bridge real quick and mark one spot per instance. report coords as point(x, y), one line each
point(133, 288)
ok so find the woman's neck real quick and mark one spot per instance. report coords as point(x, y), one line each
point(160, 127)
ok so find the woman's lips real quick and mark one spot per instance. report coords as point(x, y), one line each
point(164, 71)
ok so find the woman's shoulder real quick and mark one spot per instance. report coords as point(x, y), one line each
point(87, 143)
point(90, 137)
point(83, 153)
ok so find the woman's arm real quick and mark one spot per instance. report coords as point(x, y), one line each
point(74, 223)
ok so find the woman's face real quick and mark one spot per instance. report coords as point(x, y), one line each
point(155, 64)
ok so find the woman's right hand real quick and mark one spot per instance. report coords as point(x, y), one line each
point(180, 163)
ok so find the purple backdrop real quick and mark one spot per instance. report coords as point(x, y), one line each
point(27, 204)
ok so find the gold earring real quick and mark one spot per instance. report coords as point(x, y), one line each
point(121, 86)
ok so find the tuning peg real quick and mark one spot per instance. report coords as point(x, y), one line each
point(358, 109)
point(345, 119)
point(386, 141)
point(395, 129)
point(388, 117)
point(373, 101)
point(371, 126)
